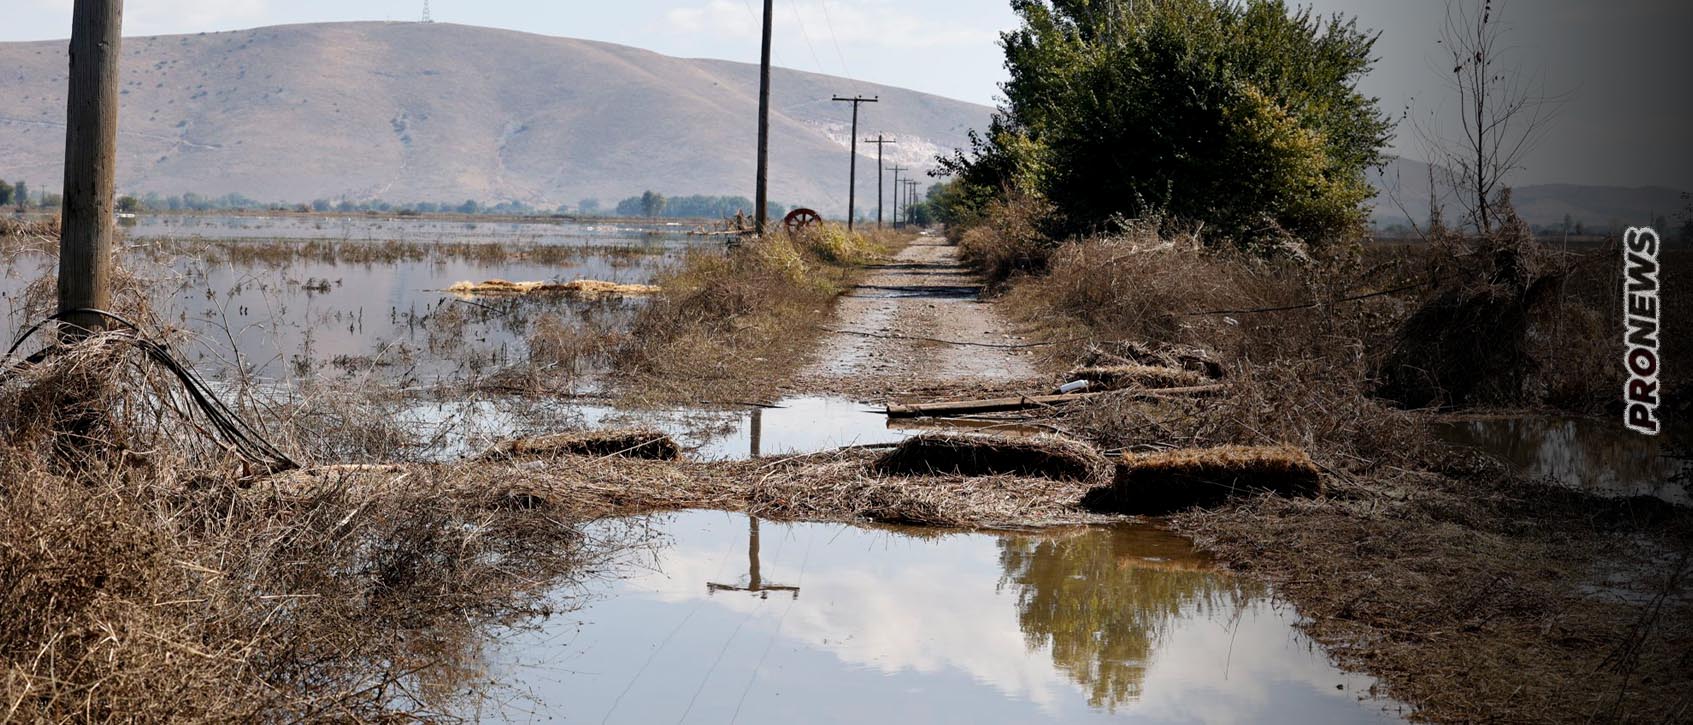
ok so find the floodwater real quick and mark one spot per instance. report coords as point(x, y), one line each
point(1585, 453)
point(275, 316)
point(378, 228)
point(790, 426)
point(728, 619)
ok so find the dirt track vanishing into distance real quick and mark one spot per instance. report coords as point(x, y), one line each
point(916, 323)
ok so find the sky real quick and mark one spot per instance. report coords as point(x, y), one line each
point(1614, 64)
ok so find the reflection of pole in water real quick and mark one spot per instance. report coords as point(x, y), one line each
point(755, 578)
point(757, 433)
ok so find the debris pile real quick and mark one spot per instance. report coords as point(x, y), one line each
point(1171, 481)
point(589, 288)
point(980, 455)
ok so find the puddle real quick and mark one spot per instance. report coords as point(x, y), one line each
point(730, 619)
point(1577, 452)
point(801, 425)
point(795, 426)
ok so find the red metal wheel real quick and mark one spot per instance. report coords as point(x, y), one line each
point(798, 219)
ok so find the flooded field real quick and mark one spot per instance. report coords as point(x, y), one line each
point(729, 619)
point(1579, 452)
point(292, 296)
point(376, 228)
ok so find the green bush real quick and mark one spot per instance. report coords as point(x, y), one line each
point(1242, 116)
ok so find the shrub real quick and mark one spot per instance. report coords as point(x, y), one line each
point(1242, 116)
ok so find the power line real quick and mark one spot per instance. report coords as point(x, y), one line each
point(815, 59)
point(852, 177)
point(896, 169)
point(829, 22)
point(880, 141)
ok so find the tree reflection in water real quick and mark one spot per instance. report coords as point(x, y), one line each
point(1103, 600)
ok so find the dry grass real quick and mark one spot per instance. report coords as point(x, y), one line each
point(987, 455)
point(144, 576)
point(840, 486)
point(736, 323)
point(1512, 323)
point(1009, 241)
point(1177, 480)
point(33, 236)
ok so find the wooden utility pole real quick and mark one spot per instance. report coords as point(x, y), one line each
point(911, 202)
point(908, 200)
point(761, 197)
point(91, 136)
point(852, 172)
point(880, 142)
point(896, 170)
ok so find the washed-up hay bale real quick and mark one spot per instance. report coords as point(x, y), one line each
point(575, 288)
point(1170, 481)
point(627, 443)
point(1117, 377)
point(981, 455)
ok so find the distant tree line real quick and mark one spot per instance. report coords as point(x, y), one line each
point(653, 205)
point(649, 205)
point(19, 195)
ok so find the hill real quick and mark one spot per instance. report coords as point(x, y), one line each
point(437, 112)
point(1402, 192)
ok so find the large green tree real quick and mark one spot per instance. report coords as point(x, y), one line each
point(1242, 115)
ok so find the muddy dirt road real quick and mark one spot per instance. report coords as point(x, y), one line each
point(884, 339)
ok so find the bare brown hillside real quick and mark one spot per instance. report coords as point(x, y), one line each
point(415, 112)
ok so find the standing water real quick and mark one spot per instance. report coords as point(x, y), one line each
point(1580, 453)
point(734, 620)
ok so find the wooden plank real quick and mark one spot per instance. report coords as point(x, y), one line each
point(1025, 402)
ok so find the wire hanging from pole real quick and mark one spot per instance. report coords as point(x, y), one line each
point(243, 438)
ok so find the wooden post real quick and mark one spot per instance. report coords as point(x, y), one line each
point(911, 202)
point(897, 168)
point(762, 195)
point(880, 142)
point(91, 133)
point(852, 172)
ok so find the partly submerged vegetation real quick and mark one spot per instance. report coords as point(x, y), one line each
point(739, 323)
